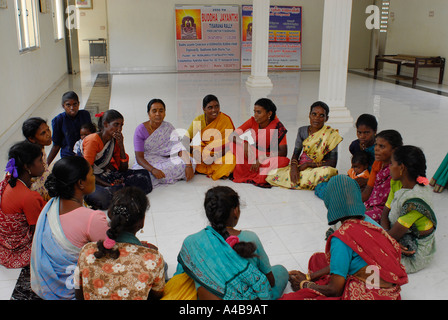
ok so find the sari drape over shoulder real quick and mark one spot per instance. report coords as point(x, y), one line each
point(213, 138)
point(374, 245)
point(417, 199)
point(208, 259)
point(160, 150)
point(53, 257)
point(266, 141)
point(380, 192)
point(315, 147)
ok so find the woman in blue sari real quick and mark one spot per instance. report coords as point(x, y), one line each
point(226, 263)
point(63, 228)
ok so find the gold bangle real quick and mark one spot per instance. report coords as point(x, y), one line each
point(302, 283)
point(308, 277)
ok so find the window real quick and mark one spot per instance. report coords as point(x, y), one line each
point(58, 19)
point(27, 26)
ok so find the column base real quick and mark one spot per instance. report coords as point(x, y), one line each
point(259, 82)
point(339, 115)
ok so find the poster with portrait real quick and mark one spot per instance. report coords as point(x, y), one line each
point(285, 38)
point(207, 38)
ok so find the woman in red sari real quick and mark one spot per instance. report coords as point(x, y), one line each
point(268, 150)
point(361, 261)
point(19, 205)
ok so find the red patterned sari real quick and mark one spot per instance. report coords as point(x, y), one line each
point(15, 236)
point(376, 248)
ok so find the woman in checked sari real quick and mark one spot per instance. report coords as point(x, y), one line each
point(158, 149)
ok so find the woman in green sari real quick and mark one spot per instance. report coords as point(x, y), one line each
point(223, 262)
point(411, 217)
point(315, 154)
point(440, 179)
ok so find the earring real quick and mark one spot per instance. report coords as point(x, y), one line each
point(29, 171)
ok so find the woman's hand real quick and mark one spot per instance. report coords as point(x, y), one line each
point(118, 136)
point(406, 251)
point(189, 172)
point(294, 174)
point(295, 277)
point(157, 173)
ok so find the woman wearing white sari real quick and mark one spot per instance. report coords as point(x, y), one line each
point(158, 149)
point(63, 228)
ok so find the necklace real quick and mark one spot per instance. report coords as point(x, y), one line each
point(77, 201)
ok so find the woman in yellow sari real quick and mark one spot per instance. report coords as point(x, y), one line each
point(317, 162)
point(213, 156)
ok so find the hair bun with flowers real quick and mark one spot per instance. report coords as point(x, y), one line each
point(422, 180)
point(232, 240)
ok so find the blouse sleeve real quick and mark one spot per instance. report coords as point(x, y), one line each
point(140, 137)
point(97, 226)
point(90, 147)
point(32, 207)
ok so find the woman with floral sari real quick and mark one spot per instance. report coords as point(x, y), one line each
point(411, 220)
point(268, 150)
point(158, 150)
point(361, 260)
point(105, 152)
point(315, 154)
point(211, 153)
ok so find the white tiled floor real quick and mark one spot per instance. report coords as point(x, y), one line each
point(291, 224)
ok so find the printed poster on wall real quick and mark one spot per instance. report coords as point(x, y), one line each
point(285, 38)
point(208, 38)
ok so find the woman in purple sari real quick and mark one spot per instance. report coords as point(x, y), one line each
point(158, 149)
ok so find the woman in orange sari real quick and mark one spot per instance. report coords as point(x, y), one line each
point(361, 260)
point(269, 149)
point(214, 128)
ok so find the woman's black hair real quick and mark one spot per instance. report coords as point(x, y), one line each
point(267, 105)
point(321, 104)
point(413, 159)
point(65, 174)
point(219, 203)
point(155, 100)
point(368, 120)
point(392, 136)
point(30, 126)
point(128, 207)
point(24, 153)
point(108, 117)
point(69, 95)
point(207, 99)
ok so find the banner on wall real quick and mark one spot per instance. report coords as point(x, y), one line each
point(208, 38)
point(285, 38)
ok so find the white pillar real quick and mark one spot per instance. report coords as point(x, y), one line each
point(334, 58)
point(260, 45)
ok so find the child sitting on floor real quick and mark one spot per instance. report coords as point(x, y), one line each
point(360, 165)
point(86, 129)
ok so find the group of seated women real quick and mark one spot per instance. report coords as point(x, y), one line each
point(380, 214)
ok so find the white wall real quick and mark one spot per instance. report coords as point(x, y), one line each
point(413, 31)
point(26, 78)
point(142, 34)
